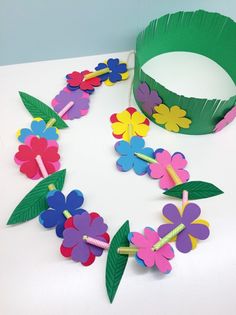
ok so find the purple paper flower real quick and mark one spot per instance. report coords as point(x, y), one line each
point(80, 106)
point(148, 98)
point(74, 245)
point(194, 229)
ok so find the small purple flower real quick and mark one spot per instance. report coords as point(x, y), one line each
point(80, 106)
point(75, 246)
point(194, 229)
point(148, 98)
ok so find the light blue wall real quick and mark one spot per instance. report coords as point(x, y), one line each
point(33, 30)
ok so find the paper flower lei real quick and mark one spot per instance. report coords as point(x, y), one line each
point(84, 235)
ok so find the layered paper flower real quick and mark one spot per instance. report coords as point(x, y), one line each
point(76, 80)
point(148, 98)
point(57, 203)
point(76, 228)
point(129, 123)
point(148, 257)
point(78, 97)
point(46, 149)
point(38, 128)
point(118, 71)
point(158, 170)
point(128, 159)
point(195, 229)
point(173, 118)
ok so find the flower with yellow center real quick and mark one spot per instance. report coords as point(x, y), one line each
point(173, 118)
point(129, 123)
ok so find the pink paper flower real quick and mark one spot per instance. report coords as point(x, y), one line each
point(158, 170)
point(228, 118)
point(33, 146)
point(146, 255)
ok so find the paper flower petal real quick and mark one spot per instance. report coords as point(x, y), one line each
point(191, 213)
point(163, 264)
point(56, 200)
point(171, 212)
point(48, 218)
point(74, 200)
point(80, 253)
point(122, 147)
point(124, 164)
point(183, 242)
point(163, 157)
point(199, 231)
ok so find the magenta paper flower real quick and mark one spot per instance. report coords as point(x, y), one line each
point(80, 106)
point(146, 255)
point(195, 229)
point(158, 170)
point(148, 98)
point(33, 147)
point(76, 81)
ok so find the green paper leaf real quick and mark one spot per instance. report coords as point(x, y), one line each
point(116, 263)
point(196, 190)
point(35, 202)
point(39, 109)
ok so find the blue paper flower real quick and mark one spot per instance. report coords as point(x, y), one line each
point(54, 217)
point(38, 128)
point(128, 159)
point(118, 71)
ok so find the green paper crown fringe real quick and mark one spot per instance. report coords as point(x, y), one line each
point(35, 201)
point(210, 34)
point(196, 190)
point(116, 263)
point(39, 109)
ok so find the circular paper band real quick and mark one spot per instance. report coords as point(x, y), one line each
point(209, 34)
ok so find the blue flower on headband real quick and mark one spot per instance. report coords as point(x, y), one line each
point(58, 203)
point(128, 159)
point(38, 128)
point(118, 71)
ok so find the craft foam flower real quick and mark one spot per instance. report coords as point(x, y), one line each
point(148, 257)
point(129, 123)
point(33, 147)
point(78, 97)
point(118, 71)
point(147, 98)
point(173, 118)
point(128, 159)
point(195, 229)
point(76, 228)
point(228, 118)
point(57, 203)
point(158, 170)
point(38, 128)
point(76, 80)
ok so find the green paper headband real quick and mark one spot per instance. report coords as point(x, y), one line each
point(209, 34)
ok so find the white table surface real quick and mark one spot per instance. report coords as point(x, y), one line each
point(36, 279)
